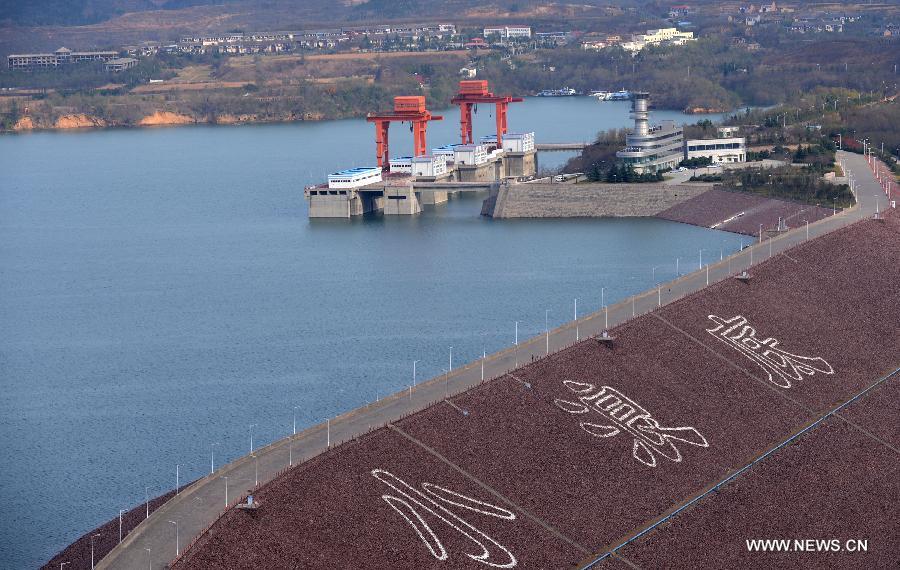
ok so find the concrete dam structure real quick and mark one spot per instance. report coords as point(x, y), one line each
point(400, 186)
point(564, 200)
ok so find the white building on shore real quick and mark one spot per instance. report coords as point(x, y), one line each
point(721, 150)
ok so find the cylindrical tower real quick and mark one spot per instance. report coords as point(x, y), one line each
point(639, 101)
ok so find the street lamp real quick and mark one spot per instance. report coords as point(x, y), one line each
point(177, 474)
point(61, 564)
point(177, 546)
point(120, 524)
point(547, 327)
point(577, 333)
point(414, 370)
point(149, 559)
point(212, 457)
point(451, 358)
point(256, 471)
point(251, 437)
point(93, 536)
point(147, 501)
point(295, 420)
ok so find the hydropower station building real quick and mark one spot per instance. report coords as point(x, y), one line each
point(651, 148)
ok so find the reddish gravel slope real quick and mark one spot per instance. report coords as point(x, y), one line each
point(833, 483)
point(716, 206)
point(580, 452)
point(330, 513)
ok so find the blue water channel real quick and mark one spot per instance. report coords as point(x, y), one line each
point(163, 289)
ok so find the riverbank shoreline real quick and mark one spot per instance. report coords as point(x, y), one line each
point(163, 118)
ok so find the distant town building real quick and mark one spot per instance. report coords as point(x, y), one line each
point(554, 38)
point(468, 72)
point(661, 36)
point(679, 11)
point(506, 32)
point(62, 56)
point(120, 64)
point(595, 45)
point(145, 49)
point(651, 149)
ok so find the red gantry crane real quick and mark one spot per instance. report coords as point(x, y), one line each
point(406, 108)
point(476, 91)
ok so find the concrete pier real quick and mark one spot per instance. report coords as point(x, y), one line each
point(401, 201)
point(432, 197)
point(520, 164)
point(326, 203)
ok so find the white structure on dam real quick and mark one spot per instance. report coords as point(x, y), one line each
point(651, 148)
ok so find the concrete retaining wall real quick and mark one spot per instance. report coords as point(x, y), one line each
point(587, 200)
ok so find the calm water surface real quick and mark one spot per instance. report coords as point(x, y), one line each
point(162, 289)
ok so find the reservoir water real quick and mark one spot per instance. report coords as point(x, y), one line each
point(162, 289)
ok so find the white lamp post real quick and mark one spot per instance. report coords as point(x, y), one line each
point(212, 457)
point(120, 524)
point(414, 370)
point(577, 334)
point(547, 328)
point(93, 536)
point(177, 546)
point(251, 437)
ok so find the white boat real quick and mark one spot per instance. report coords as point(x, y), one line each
point(622, 95)
point(564, 92)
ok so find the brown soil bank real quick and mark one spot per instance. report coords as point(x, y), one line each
point(161, 118)
point(24, 124)
point(78, 121)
